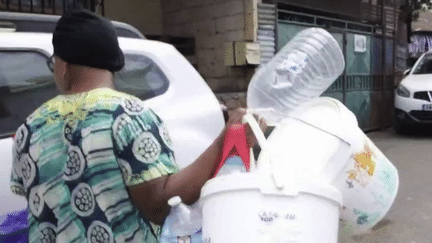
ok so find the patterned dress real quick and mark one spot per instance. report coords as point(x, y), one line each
point(73, 160)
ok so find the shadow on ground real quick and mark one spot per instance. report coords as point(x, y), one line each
point(417, 131)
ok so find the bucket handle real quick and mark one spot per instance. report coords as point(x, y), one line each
point(262, 142)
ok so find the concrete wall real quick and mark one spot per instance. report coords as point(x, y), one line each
point(146, 15)
point(212, 23)
point(423, 23)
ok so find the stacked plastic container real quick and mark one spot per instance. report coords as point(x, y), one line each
point(335, 151)
point(316, 167)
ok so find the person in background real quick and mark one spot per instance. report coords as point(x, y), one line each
point(95, 164)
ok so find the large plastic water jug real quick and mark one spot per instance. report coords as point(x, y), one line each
point(321, 139)
point(303, 69)
point(254, 208)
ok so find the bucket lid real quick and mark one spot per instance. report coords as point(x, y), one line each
point(322, 125)
point(329, 115)
point(237, 181)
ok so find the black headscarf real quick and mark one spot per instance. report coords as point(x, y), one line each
point(85, 38)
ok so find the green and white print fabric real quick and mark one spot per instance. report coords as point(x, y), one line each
point(74, 158)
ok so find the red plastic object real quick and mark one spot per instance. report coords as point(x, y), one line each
point(235, 143)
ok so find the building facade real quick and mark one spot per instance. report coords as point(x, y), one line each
point(220, 38)
point(421, 36)
point(372, 37)
point(367, 85)
point(216, 24)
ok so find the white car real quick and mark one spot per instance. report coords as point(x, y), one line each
point(155, 72)
point(413, 96)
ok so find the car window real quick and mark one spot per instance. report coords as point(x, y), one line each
point(26, 83)
point(141, 77)
point(424, 66)
point(123, 32)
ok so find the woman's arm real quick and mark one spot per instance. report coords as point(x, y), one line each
point(152, 197)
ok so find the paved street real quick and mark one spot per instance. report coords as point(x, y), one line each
point(410, 218)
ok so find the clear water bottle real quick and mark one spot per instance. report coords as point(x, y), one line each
point(303, 69)
point(182, 223)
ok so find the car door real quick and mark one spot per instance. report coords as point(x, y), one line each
point(25, 84)
point(187, 105)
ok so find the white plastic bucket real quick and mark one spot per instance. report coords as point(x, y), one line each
point(246, 207)
point(321, 139)
point(255, 207)
point(369, 183)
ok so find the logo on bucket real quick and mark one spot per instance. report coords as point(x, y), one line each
point(363, 169)
point(365, 218)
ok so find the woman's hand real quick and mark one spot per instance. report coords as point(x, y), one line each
point(236, 116)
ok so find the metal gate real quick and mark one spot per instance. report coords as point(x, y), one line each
point(361, 87)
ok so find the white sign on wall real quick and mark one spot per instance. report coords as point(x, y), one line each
point(359, 43)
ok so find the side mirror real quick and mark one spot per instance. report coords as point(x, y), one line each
point(405, 73)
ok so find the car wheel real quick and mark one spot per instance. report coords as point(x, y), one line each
point(398, 126)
